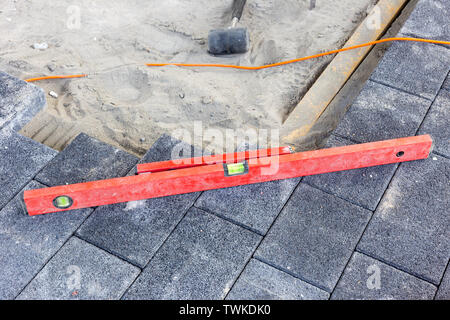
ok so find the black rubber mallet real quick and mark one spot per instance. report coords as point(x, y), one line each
point(231, 40)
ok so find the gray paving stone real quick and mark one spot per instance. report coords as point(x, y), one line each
point(83, 272)
point(382, 113)
point(260, 281)
point(411, 227)
point(20, 160)
point(429, 20)
point(417, 68)
point(314, 236)
point(86, 159)
point(437, 123)
point(369, 279)
point(444, 289)
point(135, 230)
point(446, 84)
point(364, 187)
point(255, 206)
point(200, 260)
point(169, 148)
point(19, 102)
point(26, 243)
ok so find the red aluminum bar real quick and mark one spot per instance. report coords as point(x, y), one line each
point(208, 160)
point(214, 176)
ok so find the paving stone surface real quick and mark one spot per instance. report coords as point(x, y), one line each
point(86, 159)
point(364, 187)
point(444, 289)
point(201, 259)
point(429, 20)
point(20, 160)
point(446, 84)
point(418, 68)
point(19, 102)
point(26, 243)
point(260, 281)
point(382, 113)
point(437, 123)
point(255, 206)
point(314, 236)
point(83, 272)
point(135, 230)
point(169, 148)
point(411, 227)
point(369, 279)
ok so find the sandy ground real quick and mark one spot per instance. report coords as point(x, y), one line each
point(129, 105)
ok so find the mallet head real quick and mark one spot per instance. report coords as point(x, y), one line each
point(228, 41)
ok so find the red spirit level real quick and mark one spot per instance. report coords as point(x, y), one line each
point(167, 178)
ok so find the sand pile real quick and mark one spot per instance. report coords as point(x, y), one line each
point(129, 105)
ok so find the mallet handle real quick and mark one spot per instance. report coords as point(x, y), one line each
point(238, 8)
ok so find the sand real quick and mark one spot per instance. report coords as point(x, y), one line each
point(129, 105)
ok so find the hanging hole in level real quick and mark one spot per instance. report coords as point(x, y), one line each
point(400, 154)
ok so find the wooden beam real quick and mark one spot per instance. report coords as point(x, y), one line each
point(300, 121)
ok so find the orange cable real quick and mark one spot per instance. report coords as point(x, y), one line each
point(264, 66)
point(296, 60)
point(57, 77)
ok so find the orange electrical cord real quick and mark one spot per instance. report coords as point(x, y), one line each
point(299, 59)
point(268, 65)
point(57, 77)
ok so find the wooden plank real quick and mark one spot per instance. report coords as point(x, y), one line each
point(300, 121)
